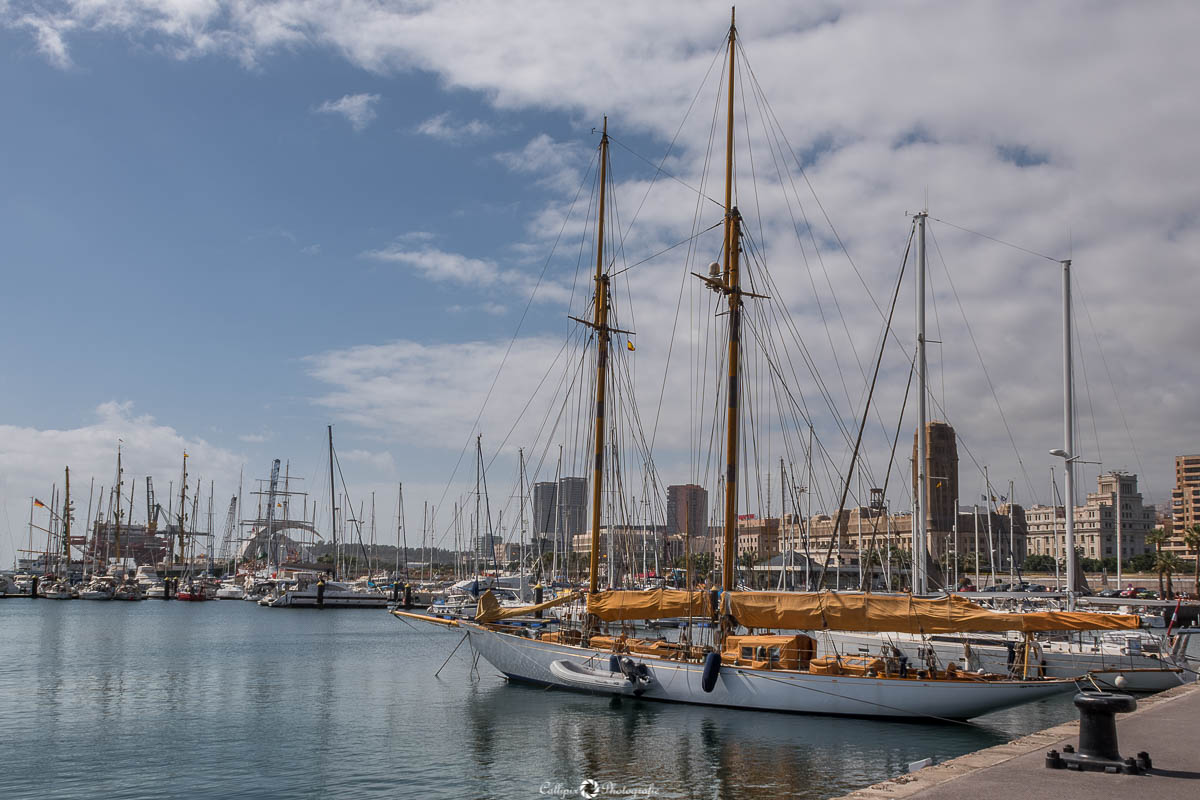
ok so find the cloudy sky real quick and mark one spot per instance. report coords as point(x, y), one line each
point(226, 225)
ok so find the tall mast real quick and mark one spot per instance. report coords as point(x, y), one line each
point(521, 557)
point(66, 523)
point(117, 530)
point(920, 519)
point(601, 327)
point(1069, 439)
point(332, 503)
point(182, 504)
point(732, 289)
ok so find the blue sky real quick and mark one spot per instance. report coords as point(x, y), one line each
point(201, 250)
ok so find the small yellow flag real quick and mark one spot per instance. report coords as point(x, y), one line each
point(629, 344)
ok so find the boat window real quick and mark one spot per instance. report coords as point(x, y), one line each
point(748, 653)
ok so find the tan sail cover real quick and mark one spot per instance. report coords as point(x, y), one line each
point(903, 614)
point(618, 605)
point(491, 611)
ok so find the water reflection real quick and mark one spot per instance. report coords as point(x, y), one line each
point(160, 699)
point(685, 750)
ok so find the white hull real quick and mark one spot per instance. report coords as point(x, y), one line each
point(1139, 673)
point(765, 690)
point(231, 593)
point(333, 599)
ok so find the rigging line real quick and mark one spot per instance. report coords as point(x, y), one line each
point(986, 374)
point(1087, 388)
point(717, 57)
point(712, 132)
point(780, 311)
point(1120, 407)
point(812, 190)
point(837, 520)
point(668, 249)
point(816, 295)
point(999, 241)
point(888, 474)
point(513, 340)
point(658, 169)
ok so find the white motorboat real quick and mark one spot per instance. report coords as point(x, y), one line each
point(231, 590)
point(307, 592)
point(59, 590)
point(100, 588)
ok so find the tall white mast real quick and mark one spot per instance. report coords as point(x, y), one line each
point(920, 578)
point(1069, 436)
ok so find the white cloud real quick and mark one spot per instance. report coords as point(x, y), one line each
point(495, 309)
point(253, 438)
point(32, 460)
point(476, 273)
point(356, 108)
point(442, 126)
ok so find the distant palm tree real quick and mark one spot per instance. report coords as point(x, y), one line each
point(1169, 563)
point(1157, 537)
point(1192, 539)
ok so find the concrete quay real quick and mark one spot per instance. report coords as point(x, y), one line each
point(1166, 725)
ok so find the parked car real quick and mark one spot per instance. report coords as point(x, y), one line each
point(1035, 587)
point(1145, 594)
point(1108, 593)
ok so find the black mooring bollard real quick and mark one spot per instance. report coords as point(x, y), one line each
point(33, 582)
point(408, 595)
point(538, 594)
point(320, 594)
point(1098, 750)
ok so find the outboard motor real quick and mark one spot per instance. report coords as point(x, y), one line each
point(637, 674)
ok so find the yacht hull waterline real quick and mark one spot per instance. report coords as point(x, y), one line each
point(530, 661)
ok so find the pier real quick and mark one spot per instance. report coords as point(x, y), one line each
point(1163, 725)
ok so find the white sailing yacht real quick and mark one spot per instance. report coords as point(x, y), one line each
point(773, 666)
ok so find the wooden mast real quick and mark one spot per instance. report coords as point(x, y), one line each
point(600, 324)
point(732, 290)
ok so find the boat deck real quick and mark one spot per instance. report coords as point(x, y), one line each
point(1164, 725)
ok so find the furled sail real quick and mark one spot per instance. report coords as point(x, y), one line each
point(903, 614)
point(619, 605)
point(490, 609)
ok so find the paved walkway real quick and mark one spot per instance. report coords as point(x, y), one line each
point(1166, 725)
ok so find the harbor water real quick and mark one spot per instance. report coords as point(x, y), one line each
point(227, 699)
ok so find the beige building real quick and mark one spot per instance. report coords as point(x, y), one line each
point(1096, 524)
point(1185, 504)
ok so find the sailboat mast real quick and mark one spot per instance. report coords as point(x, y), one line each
point(732, 290)
point(66, 523)
point(601, 326)
point(920, 519)
point(182, 504)
point(332, 503)
point(117, 530)
point(1069, 440)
